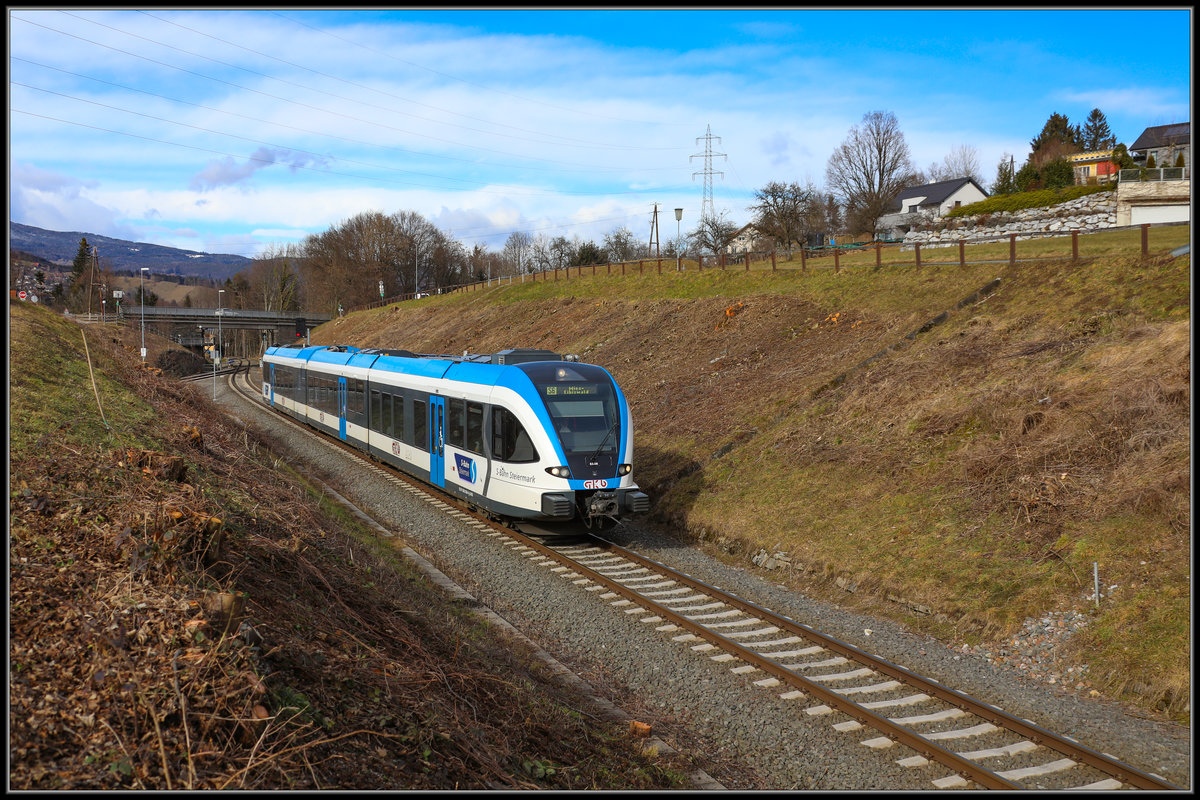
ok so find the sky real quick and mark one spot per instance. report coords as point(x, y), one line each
point(241, 131)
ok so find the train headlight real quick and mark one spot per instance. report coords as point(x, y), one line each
point(624, 469)
point(559, 472)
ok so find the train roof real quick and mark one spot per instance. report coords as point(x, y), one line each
point(486, 369)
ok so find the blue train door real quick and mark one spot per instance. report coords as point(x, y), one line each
point(437, 448)
point(341, 408)
point(271, 382)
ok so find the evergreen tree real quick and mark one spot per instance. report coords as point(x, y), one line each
point(77, 291)
point(1057, 174)
point(83, 257)
point(1006, 182)
point(1028, 178)
point(1096, 133)
point(1058, 138)
point(1179, 160)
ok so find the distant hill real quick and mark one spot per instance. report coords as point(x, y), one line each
point(60, 247)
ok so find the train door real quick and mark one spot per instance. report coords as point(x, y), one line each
point(341, 408)
point(269, 389)
point(437, 445)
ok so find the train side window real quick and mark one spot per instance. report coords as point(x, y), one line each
point(510, 440)
point(454, 423)
point(475, 427)
point(376, 410)
point(387, 414)
point(398, 417)
point(420, 426)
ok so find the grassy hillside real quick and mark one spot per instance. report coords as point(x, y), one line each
point(976, 471)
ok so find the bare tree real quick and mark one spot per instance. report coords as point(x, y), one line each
point(713, 233)
point(869, 169)
point(272, 280)
point(620, 245)
point(785, 212)
point(516, 251)
point(961, 162)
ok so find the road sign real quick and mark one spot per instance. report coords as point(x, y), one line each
point(21, 295)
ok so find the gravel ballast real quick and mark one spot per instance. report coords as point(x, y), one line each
point(698, 699)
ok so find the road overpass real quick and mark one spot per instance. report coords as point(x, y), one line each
point(187, 326)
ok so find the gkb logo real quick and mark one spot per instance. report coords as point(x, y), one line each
point(466, 468)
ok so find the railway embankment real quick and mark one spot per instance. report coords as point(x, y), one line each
point(187, 612)
point(992, 469)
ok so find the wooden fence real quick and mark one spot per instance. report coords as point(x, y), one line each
point(815, 258)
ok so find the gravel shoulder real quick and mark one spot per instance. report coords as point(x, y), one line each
point(695, 703)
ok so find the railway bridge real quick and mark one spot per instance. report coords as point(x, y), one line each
point(194, 328)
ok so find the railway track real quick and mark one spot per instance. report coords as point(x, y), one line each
point(960, 741)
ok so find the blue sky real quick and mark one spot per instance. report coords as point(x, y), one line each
point(233, 131)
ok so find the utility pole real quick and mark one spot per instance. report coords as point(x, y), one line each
point(706, 210)
point(654, 232)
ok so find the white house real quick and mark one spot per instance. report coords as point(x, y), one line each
point(931, 200)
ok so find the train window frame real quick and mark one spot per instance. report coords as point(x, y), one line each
point(398, 416)
point(420, 418)
point(375, 416)
point(456, 428)
point(387, 418)
point(474, 427)
point(506, 433)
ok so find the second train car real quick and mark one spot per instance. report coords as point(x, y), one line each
point(521, 434)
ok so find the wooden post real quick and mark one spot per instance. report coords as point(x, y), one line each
point(837, 264)
point(772, 261)
point(803, 260)
point(1074, 246)
point(1012, 249)
point(1145, 239)
point(917, 248)
point(660, 266)
point(878, 255)
point(962, 257)
point(699, 262)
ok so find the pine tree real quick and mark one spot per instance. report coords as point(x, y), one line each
point(1006, 182)
point(83, 257)
point(1096, 133)
point(1058, 139)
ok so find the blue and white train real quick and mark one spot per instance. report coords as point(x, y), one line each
point(521, 434)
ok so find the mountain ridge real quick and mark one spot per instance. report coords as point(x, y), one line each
point(122, 255)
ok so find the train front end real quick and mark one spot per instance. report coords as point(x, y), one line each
point(593, 428)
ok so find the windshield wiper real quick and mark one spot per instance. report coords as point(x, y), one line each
point(615, 426)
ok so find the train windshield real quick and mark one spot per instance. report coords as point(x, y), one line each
point(582, 403)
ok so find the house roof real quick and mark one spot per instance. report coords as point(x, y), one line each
point(1163, 135)
point(934, 193)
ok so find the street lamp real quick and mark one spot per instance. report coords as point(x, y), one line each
point(678, 256)
point(103, 310)
point(142, 278)
point(217, 348)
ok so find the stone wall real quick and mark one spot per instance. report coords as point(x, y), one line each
point(1085, 214)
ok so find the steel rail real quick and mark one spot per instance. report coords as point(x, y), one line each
point(1036, 734)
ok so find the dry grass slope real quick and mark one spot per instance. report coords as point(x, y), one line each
point(976, 470)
